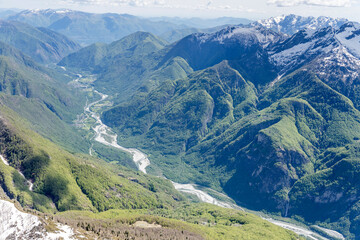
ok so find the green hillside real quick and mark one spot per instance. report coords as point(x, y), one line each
point(266, 149)
point(129, 65)
point(101, 196)
point(41, 44)
point(37, 108)
point(215, 110)
point(41, 96)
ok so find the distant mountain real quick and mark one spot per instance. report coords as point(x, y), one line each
point(41, 44)
point(40, 18)
point(334, 54)
point(5, 13)
point(177, 34)
point(140, 43)
point(128, 64)
point(287, 24)
point(290, 24)
point(204, 23)
point(88, 28)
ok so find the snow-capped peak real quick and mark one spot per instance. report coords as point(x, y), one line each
point(46, 11)
point(278, 19)
point(340, 44)
point(290, 24)
point(246, 35)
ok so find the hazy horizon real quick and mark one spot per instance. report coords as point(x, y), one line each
point(254, 10)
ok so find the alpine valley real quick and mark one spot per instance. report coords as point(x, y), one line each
point(262, 118)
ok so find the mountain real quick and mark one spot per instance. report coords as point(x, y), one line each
point(243, 46)
point(178, 34)
point(5, 13)
point(43, 45)
point(139, 43)
point(21, 76)
point(126, 65)
point(33, 90)
point(306, 45)
point(88, 28)
point(271, 120)
point(290, 24)
point(39, 17)
point(123, 68)
point(333, 54)
point(203, 23)
point(286, 24)
point(93, 197)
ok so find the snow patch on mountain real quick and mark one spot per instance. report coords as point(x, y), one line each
point(46, 11)
point(15, 224)
point(289, 57)
point(343, 65)
point(332, 47)
point(301, 47)
point(248, 36)
point(349, 36)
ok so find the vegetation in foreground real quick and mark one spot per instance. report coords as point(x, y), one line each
point(186, 221)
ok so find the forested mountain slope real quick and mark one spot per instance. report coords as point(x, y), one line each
point(272, 120)
point(41, 44)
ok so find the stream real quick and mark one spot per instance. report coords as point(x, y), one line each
point(104, 135)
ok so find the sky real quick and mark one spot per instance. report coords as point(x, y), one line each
point(253, 9)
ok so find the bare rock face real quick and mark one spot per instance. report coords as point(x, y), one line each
point(15, 223)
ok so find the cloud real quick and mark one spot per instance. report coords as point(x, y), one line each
point(323, 3)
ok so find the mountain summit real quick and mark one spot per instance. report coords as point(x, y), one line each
point(308, 44)
point(290, 24)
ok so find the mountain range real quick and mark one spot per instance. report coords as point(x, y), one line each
point(203, 23)
point(87, 28)
point(266, 113)
point(290, 24)
point(270, 119)
point(58, 172)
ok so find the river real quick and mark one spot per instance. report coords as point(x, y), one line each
point(104, 135)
